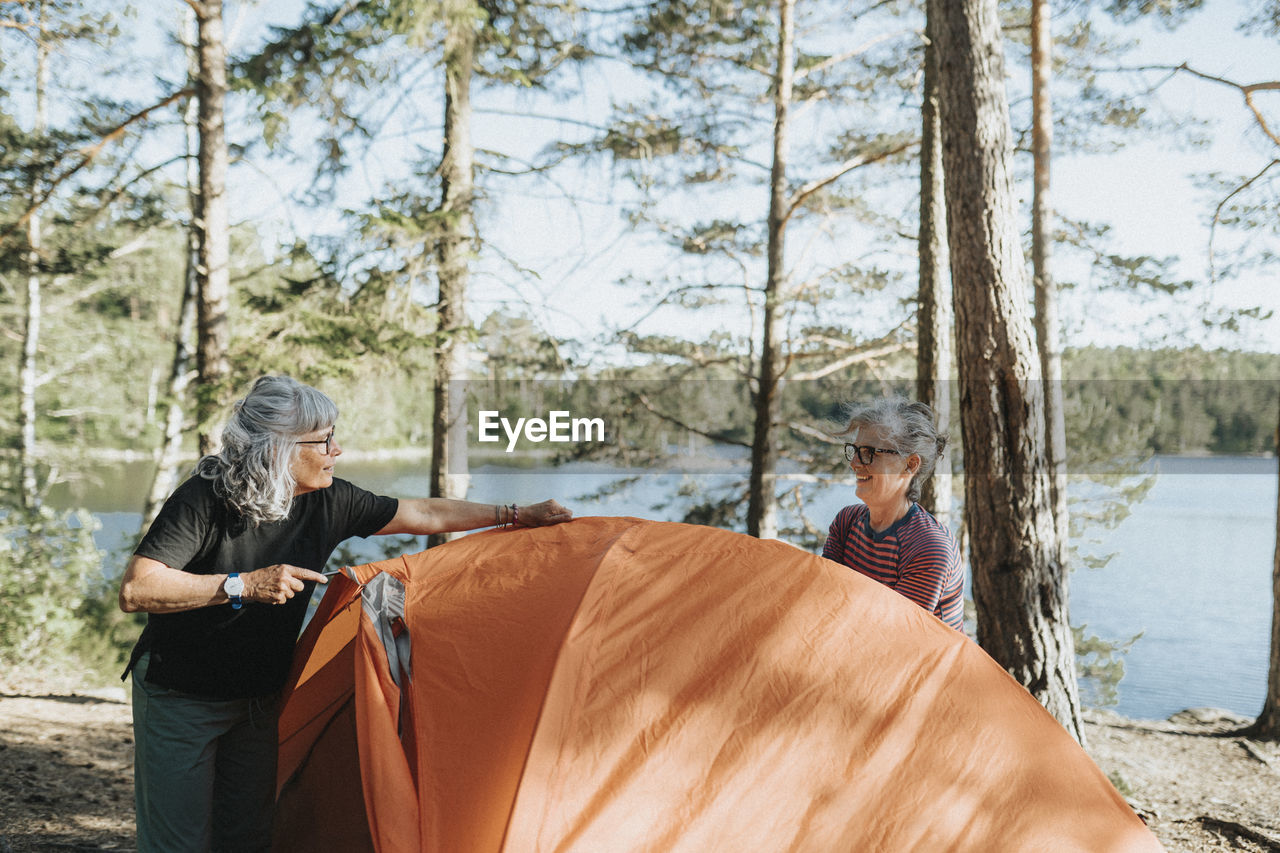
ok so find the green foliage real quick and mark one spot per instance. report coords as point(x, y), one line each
point(1109, 270)
point(515, 348)
point(106, 635)
point(104, 245)
point(1169, 12)
point(525, 42)
point(644, 137)
point(1173, 401)
point(720, 236)
point(1100, 666)
point(1244, 227)
point(1265, 18)
point(725, 510)
point(46, 560)
point(324, 65)
point(361, 335)
point(336, 64)
point(1121, 784)
point(61, 619)
point(106, 327)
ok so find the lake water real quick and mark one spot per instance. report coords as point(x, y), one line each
point(1191, 569)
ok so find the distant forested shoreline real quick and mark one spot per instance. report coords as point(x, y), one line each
point(1169, 401)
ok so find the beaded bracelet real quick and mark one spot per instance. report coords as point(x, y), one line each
point(497, 515)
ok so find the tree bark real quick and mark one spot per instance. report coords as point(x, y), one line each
point(1048, 331)
point(762, 504)
point(934, 316)
point(1019, 575)
point(169, 457)
point(213, 239)
point(29, 494)
point(170, 452)
point(449, 417)
point(1267, 726)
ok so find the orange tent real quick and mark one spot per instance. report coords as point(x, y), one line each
point(614, 684)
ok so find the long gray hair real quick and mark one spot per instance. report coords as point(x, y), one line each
point(251, 470)
point(910, 427)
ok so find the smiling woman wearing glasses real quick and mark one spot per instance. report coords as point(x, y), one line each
point(893, 445)
point(225, 574)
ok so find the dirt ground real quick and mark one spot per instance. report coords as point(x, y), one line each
point(66, 777)
point(1198, 785)
point(66, 772)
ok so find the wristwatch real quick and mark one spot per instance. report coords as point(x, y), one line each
point(233, 586)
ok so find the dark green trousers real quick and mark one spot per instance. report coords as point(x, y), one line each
point(204, 770)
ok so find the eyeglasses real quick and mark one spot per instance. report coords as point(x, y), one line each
point(865, 454)
point(327, 441)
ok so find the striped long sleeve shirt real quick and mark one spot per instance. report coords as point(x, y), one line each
point(916, 556)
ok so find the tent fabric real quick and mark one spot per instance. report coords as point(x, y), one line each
point(615, 684)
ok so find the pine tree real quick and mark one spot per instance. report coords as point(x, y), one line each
point(740, 88)
point(934, 315)
point(1017, 558)
point(424, 229)
point(213, 236)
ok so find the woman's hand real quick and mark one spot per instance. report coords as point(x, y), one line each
point(279, 583)
point(542, 514)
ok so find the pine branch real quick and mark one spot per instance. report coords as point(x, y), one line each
point(830, 61)
point(120, 189)
point(91, 354)
point(66, 301)
point(843, 169)
point(671, 419)
point(1217, 213)
point(590, 125)
point(1247, 90)
point(673, 292)
point(89, 154)
point(813, 432)
point(863, 355)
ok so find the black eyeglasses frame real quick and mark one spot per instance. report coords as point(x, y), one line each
point(865, 453)
point(327, 441)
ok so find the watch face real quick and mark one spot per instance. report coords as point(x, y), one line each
point(233, 585)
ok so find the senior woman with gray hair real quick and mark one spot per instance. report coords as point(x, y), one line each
point(893, 447)
point(225, 573)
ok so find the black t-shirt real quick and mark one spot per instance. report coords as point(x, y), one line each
point(222, 653)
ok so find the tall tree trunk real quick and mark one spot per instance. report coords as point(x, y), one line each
point(213, 238)
point(933, 319)
point(180, 374)
point(762, 504)
point(1267, 726)
point(449, 417)
point(180, 370)
point(1048, 332)
point(1019, 576)
point(29, 494)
